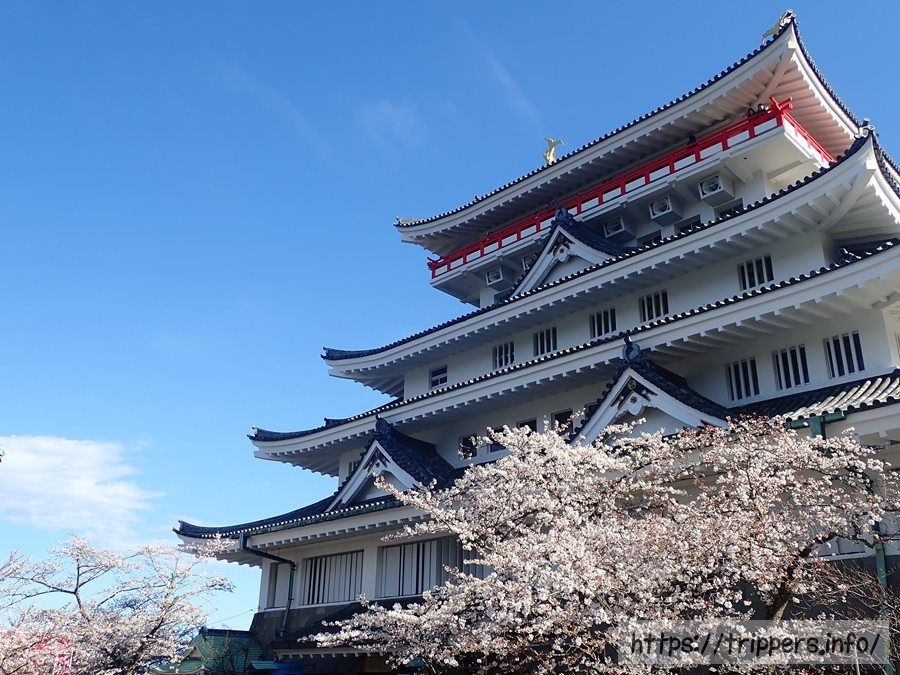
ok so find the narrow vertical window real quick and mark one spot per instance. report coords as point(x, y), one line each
point(755, 272)
point(603, 323)
point(437, 377)
point(742, 379)
point(544, 341)
point(791, 369)
point(653, 305)
point(503, 355)
point(844, 354)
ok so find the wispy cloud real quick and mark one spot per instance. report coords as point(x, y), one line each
point(66, 485)
point(275, 101)
point(392, 124)
point(513, 92)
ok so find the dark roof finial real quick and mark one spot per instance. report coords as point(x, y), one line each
point(631, 350)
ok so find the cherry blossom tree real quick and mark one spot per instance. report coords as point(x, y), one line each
point(118, 613)
point(581, 538)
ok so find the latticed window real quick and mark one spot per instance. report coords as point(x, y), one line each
point(545, 341)
point(844, 354)
point(503, 355)
point(411, 569)
point(790, 365)
point(654, 305)
point(742, 379)
point(603, 322)
point(755, 272)
point(332, 578)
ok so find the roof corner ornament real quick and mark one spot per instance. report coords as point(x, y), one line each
point(550, 152)
point(783, 20)
point(631, 350)
point(866, 128)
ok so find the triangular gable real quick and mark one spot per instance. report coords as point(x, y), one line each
point(376, 461)
point(640, 384)
point(559, 253)
point(571, 247)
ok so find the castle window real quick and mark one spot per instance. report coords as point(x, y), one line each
point(503, 355)
point(844, 354)
point(755, 272)
point(411, 569)
point(562, 419)
point(603, 322)
point(731, 208)
point(790, 367)
point(652, 238)
point(688, 225)
point(531, 424)
point(437, 377)
point(332, 578)
point(742, 379)
point(545, 341)
point(654, 305)
point(468, 446)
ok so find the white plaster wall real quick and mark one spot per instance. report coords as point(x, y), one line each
point(790, 257)
point(706, 373)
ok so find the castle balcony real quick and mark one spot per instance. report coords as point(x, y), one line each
point(770, 142)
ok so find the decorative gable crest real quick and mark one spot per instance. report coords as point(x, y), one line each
point(568, 239)
point(640, 385)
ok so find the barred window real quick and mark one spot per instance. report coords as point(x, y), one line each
point(411, 569)
point(844, 354)
point(742, 379)
point(503, 355)
point(332, 578)
point(545, 341)
point(437, 377)
point(654, 305)
point(603, 322)
point(790, 365)
point(755, 272)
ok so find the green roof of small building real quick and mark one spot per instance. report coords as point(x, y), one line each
point(219, 650)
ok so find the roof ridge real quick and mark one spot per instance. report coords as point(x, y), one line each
point(789, 23)
point(333, 354)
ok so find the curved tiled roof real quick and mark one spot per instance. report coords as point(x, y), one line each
point(847, 397)
point(790, 24)
point(848, 259)
point(418, 458)
point(342, 354)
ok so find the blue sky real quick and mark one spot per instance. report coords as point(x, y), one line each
point(196, 197)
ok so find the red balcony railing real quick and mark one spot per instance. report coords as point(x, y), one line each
point(776, 115)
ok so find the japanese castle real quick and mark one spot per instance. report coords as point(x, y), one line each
point(733, 251)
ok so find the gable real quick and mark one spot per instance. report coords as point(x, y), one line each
point(360, 485)
point(634, 396)
point(561, 256)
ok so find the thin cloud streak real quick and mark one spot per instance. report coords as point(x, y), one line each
point(67, 485)
point(514, 94)
point(276, 102)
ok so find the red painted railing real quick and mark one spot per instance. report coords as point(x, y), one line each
point(687, 155)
